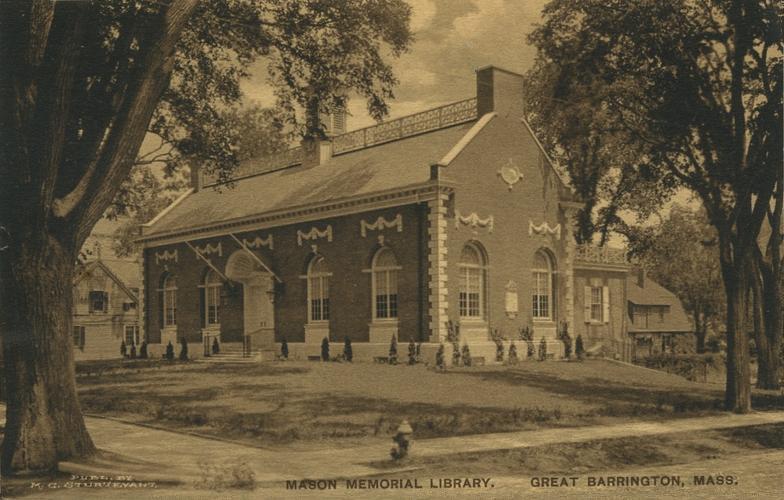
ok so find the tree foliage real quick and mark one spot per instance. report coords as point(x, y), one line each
point(83, 85)
point(681, 253)
point(697, 85)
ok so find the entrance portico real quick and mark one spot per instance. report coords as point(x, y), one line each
point(258, 298)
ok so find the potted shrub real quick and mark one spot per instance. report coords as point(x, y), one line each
point(325, 349)
point(542, 349)
point(393, 351)
point(143, 350)
point(455, 354)
point(133, 350)
point(466, 354)
point(348, 351)
point(579, 349)
point(512, 358)
point(215, 346)
point(123, 349)
point(169, 351)
point(440, 362)
point(412, 352)
point(284, 349)
point(183, 349)
point(499, 350)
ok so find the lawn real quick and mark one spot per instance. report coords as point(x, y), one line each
point(309, 404)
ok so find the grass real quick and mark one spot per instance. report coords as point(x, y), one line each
point(316, 404)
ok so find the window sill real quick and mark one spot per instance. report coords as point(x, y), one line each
point(384, 322)
point(472, 322)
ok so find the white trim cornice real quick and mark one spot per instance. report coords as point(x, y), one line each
point(466, 139)
point(406, 195)
point(168, 209)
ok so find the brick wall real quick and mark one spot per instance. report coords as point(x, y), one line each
point(510, 249)
point(348, 256)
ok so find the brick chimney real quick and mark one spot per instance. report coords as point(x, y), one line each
point(641, 277)
point(197, 180)
point(499, 90)
point(317, 147)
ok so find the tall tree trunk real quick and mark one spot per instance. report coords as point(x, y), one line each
point(767, 354)
point(769, 306)
point(699, 330)
point(43, 419)
point(737, 396)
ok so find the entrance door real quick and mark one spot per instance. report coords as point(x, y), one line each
point(259, 310)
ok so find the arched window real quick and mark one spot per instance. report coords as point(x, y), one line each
point(169, 291)
point(542, 291)
point(472, 283)
point(385, 284)
point(211, 295)
point(318, 289)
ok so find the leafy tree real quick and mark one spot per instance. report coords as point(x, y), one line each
point(123, 349)
point(169, 351)
point(412, 352)
point(595, 153)
point(697, 86)
point(681, 254)
point(83, 84)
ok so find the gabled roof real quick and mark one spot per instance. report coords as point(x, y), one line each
point(388, 166)
point(653, 294)
point(99, 264)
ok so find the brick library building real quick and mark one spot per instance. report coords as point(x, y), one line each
point(454, 214)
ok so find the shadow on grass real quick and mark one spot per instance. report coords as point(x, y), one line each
point(616, 399)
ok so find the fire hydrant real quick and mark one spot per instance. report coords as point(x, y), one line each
point(403, 440)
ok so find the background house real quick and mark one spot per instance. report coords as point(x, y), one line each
point(105, 307)
point(657, 322)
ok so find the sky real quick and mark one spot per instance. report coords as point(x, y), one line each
point(452, 38)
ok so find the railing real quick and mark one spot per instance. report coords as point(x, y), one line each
point(600, 255)
point(432, 119)
point(275, 161)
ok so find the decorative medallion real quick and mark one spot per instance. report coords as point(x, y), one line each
point(510, 174)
